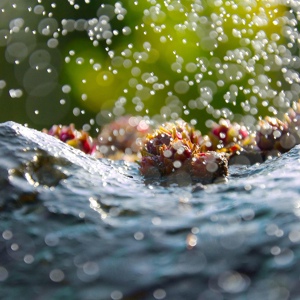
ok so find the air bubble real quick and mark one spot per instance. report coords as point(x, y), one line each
point(139, 236)
point(167, 153)
point(96, 67)
point(39, 59)
point(68, 25)
point(16, 24)
point(127, 63)
point(16, 52)
point(106, 10)
point(116, 295)
point(28, 259)
point(126, 30)
point(52, 43)
point(80, 25)
point(159, 294)
point(2, 84)
point(15, 93)
point(3, 274)
point(66, 89)
point(39, 9)
point(48, 26)
point(57, 275)
point(233, 282)
point(191, 67)
point(135, 71)
point(177, 164)
point(79, 60)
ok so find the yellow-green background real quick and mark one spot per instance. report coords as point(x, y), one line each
point(103, 95)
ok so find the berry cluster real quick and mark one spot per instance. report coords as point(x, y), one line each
point(178, 148)
point(76, 138)
point(175, 148)
point(122, 138)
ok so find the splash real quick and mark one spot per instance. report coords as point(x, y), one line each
point(199, 60)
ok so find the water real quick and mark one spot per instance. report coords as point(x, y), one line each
point(99, 232)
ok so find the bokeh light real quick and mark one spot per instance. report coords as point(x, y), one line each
point(88, 63)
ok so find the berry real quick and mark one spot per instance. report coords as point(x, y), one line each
point(226, 134)
point(75, 138)
point(273, 134)
point(122, 137)
point(174, 149)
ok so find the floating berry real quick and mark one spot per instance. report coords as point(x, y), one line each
point(124, 136)
point(174, 149)
point(226, 134)
point(293, 121)
point(76, 138)
point(164, 135)
point(273, 134)
point(209, 166)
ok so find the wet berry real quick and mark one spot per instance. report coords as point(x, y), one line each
point(76, 138)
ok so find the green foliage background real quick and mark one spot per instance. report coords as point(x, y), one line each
point(176, 46)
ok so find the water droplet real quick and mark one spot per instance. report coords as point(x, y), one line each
point(76, 111)
point(52, 43)
point(181, 87)
point(177, 164)
point(233, 282)
point(66, 89)
point(28, 259)
point(40, 59)
point(39, 9)
point(57, 275)
point(139, 236)
point(15, 93)
point(159, 294)
point(3, 274)
point(116, 295)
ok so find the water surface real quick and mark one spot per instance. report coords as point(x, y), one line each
point(101, 232)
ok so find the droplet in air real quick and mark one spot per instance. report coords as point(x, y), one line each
point(66, 89)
